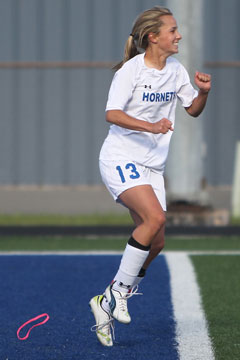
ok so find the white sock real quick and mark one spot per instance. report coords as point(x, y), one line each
point(132, 261)
point(138, 280)
point(140, 277)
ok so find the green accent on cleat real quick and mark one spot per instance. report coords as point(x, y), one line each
point(104, 327)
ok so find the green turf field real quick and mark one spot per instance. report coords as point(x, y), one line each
point(218, 276)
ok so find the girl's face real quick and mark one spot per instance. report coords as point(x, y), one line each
point(168, 37)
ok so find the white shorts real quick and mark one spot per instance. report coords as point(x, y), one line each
point(121, 175)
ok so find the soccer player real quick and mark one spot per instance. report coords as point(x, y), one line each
point(141, 110)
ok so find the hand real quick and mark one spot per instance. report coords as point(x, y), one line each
point(162, 126)
point(203, 81)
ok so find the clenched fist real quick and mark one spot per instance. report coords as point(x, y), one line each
point(162, 126)
point(203, 81)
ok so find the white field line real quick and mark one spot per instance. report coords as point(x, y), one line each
point(205, 252)
point(107, 252)
point(60, 252)
point(191, 326)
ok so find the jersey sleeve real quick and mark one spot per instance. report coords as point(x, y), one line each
point(185, 91)
point(121, 89)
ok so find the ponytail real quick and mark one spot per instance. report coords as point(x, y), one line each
point(130, 51)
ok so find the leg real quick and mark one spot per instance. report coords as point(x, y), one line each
point(157, 243)
point(142, 201)
point(149, 218)
point(156, 247)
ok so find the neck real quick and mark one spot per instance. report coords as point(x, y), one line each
point(155, 60)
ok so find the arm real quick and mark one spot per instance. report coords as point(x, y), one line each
point(203, 82)
point(120, 118)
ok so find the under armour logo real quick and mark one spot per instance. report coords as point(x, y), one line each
point(124, 286)
point(148, 86)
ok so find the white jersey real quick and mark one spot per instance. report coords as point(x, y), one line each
point(150, 95)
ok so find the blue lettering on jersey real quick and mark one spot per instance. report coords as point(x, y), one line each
point(159, 97)
point(152, 97)
point(145, 96)
point(163, 96)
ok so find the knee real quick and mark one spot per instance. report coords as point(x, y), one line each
point(157, 221)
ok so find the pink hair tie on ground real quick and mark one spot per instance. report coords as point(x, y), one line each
point(30, 321)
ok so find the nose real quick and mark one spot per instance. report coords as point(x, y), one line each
point(179, 36)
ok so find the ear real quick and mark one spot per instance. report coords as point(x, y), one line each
point(152, 37)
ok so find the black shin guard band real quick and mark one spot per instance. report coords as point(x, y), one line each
point(142, 272)
point(137, 245)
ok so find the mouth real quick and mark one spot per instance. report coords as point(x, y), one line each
point(175, 44)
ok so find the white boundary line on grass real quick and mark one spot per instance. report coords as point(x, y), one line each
point(60, 252)
point(191, 325)
point(107, 252)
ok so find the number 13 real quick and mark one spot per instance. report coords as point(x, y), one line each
point(134, 174)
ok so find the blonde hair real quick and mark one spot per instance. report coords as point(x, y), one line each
point(146, 22)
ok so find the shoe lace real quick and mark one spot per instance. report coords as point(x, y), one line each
point(109, 325)
point(125, 297)
point(133, 292)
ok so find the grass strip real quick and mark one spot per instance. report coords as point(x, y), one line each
point(74, 219)
point(55, 243)
point(235, 221)
point(71, 220)
point(218, 277)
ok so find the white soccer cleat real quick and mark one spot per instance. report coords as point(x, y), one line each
point(117, 301)
point(104, 327)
